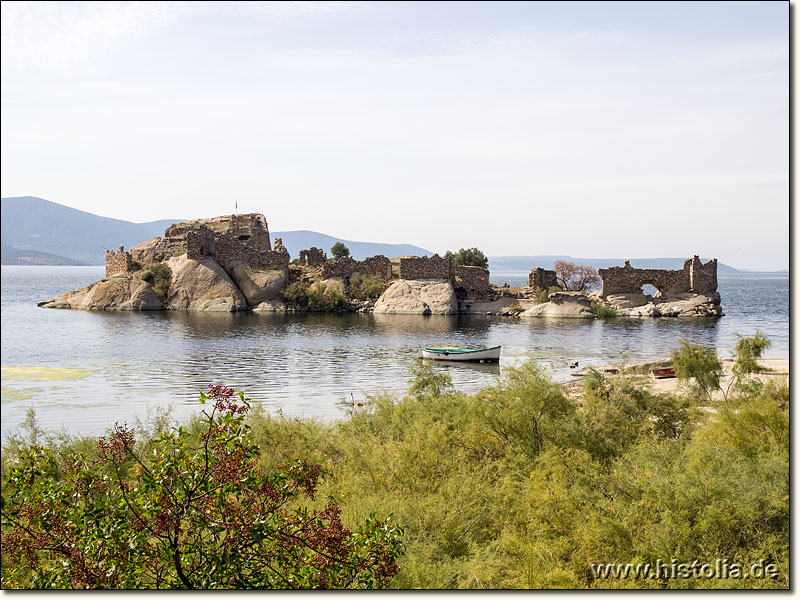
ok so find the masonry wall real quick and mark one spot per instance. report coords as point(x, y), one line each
point(227, 249)
point(423, 267)
point(703, 277)
point(118, 262)
point(542, 279)
point(345, 267)
point(313, 257)
point(474, 280)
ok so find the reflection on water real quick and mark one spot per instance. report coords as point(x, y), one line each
point(305, 364)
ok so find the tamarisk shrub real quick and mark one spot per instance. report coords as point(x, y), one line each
point(192, 511)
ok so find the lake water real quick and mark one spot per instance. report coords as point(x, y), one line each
point(82, 371)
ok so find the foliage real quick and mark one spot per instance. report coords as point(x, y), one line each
point(747, 353)
point(514, 309)
point(700, 364)
point(316, 297)
point(159, 276)
point(542, 295)
point(601, 310)
point(468, 257)
point(425, 382)
point(339, 250)
point(296, 293)
point(578, 278)
point(367, 286)
point(191, 511)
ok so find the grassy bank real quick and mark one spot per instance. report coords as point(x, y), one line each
point(517, 487)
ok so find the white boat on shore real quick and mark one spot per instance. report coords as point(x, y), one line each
point(461, 354)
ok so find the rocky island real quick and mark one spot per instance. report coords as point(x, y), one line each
point(228, 264)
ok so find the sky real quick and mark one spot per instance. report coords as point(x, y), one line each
point(596, 129)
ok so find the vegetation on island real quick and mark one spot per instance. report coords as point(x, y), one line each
point(158, 276)
point(339, 250)
point(517, 486)
point(576, 278)
point(468, 257)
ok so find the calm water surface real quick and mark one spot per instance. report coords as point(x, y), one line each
point(306, 364)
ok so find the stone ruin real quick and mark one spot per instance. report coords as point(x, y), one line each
point(542, 279)
point(228, 240)
point(118, 262)
point(313, 257)
point(695, 277)
point(346, 267)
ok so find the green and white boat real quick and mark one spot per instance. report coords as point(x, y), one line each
point(462, 354)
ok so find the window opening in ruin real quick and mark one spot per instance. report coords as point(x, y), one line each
point(244, 238)
point(649, 290)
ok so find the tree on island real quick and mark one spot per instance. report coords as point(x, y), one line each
point(576, 278)
point(339, 250)
point(468, 257)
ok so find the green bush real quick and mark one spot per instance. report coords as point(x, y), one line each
point(363, 287)
point(543, 295)
point(601, 310)
point(315, 297)
point(339, 250)
point(159, 276)
point(297, 294)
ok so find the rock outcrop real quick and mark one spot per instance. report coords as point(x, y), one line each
point(202, 285)
point(258, 285)
point(118, 292)
point(568, 305)
point(418, 297)
point(683, 305)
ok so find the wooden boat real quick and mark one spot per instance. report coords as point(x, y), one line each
point(461, 354)
point(663, 373)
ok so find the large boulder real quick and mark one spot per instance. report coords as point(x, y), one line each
point(202, 285)
point(563, 305)
point(627, 300)
point(258, 285)
point(118, 292)
point(418, 297)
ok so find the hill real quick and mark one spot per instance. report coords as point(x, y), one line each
point(15, 256)
point(31, 223)
point(547, 261)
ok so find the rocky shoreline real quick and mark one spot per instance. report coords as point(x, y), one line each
point(227, 264)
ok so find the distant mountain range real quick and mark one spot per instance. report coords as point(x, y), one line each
point(30, 223)
point(37, 232)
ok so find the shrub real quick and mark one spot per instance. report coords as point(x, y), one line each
point(297, 294)
point(543, 295)
point(193, 512)
point(367, 286)
point(159, 276)
point(514, 309)
point(601, 310)
point(700, 364)
point(315, 297)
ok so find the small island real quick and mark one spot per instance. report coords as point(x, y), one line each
point(228, 264)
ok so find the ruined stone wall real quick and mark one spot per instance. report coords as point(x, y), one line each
point(313, 257)
point(118, 262)
point(227, 249)
point(345, 267)
point(473, 280)
point(248, 229)
point(694, 277)
point(542, 279)
point(702, 277)
point(422, 267)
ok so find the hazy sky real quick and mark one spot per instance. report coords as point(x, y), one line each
point(595, 130)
